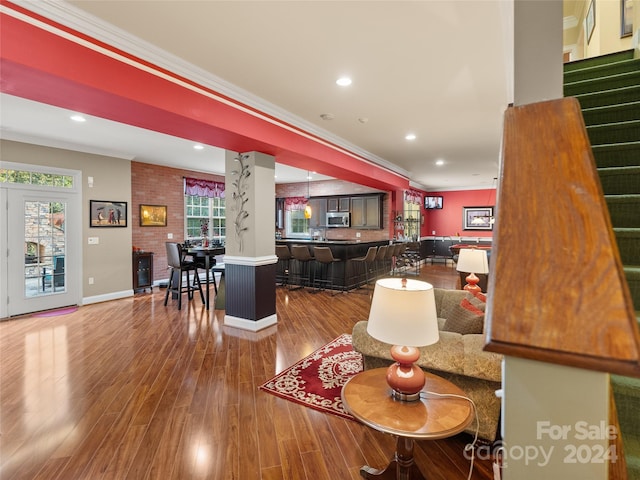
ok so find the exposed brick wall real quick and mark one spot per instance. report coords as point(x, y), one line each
point(157, 185)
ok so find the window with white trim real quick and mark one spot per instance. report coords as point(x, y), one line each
point(296, 225)
point(200, 210)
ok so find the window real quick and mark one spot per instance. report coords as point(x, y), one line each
point(297, 225)
point(36, 178)
point(205, 209)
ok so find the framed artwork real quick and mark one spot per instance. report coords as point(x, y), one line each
point(105, 213)
point(590, 20)
point(477, 218)
point(153, 215)
point(626, 18)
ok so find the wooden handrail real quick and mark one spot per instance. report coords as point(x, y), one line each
point(557, 290)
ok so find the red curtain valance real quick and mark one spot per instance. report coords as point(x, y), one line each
point(203, 188)
point(413, 196)
point(295, 203)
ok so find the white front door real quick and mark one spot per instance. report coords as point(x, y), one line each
point(43, 249)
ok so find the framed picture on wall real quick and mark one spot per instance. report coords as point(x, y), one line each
point(590, 20)
point(477, 218)
point(106, 213)
point(626, 18)
point(153, 215)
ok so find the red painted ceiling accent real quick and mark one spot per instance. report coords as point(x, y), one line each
point(42, 66)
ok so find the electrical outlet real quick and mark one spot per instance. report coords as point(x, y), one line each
point(170, 236)
point(90, 280)
point(357, 234)
point(93, 240)
point(433, 232)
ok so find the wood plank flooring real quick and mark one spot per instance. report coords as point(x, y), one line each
point(130, 389)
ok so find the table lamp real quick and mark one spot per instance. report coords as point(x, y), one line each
point(403, 314)
point(472, 261)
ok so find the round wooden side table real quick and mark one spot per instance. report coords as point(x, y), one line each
point(368, 398)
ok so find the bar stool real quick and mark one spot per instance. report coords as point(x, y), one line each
point(178, 265)
point(367, 263)
point(324, 261)
point(397, 261)
point(388, 260)
point(300, 272)
point(381, 254)
point(282, 268)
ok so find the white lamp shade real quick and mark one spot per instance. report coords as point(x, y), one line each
point(472, 260)
point(403, 315)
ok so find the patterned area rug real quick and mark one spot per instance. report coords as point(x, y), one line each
point(316, 381)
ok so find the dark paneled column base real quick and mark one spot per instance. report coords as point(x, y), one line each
point(250, 296)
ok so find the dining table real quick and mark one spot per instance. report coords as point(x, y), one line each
point(208, 254)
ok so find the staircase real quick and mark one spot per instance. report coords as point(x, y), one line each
point(608, 89)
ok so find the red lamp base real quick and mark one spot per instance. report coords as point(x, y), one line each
point(472, 283)
point(404, 377)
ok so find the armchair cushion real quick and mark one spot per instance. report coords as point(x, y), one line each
point(463, 317)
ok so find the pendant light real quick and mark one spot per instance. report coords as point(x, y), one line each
point(307, 209)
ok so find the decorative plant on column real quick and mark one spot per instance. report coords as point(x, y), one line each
point(240, 198)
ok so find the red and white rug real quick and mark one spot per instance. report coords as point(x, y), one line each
point(316, 381)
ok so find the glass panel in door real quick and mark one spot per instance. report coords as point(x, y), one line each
point(45, 241)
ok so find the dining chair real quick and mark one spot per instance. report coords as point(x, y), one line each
point(178, 266)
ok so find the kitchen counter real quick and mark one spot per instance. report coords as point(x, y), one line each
point(344, 276)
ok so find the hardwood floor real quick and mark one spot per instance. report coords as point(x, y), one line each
point(133, 389)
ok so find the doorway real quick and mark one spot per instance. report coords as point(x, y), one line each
point(40, 215)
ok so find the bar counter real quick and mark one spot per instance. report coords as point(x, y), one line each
point(344, 276)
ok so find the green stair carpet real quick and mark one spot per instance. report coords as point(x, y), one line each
point(608, 89)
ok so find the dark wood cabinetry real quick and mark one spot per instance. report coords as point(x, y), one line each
point(142, 271)
point(366, 212)
point(318, 213)
point(338, 204)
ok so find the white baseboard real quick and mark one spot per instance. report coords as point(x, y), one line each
point(107, 296)
point(251, 325)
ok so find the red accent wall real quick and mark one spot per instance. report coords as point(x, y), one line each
point(447, 222)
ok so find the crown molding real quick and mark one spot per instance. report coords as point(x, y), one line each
point(85, 23)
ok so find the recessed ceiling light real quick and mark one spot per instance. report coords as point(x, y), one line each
point(78, 118)
point(198, 147)
point(344, 81)
point(410, 136)
point(439, 162)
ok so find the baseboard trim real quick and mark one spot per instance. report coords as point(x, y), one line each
point(107, 297)
point(251, 325)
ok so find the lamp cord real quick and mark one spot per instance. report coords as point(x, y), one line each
point(470, 447)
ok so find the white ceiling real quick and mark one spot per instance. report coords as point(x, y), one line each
point(439, 69)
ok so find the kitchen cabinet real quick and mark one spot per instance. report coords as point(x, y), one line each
point(142, 270)
point(338, 204)
point(366, 212)
point(318, 213)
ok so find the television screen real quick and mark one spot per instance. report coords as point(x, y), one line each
point(432, 202)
